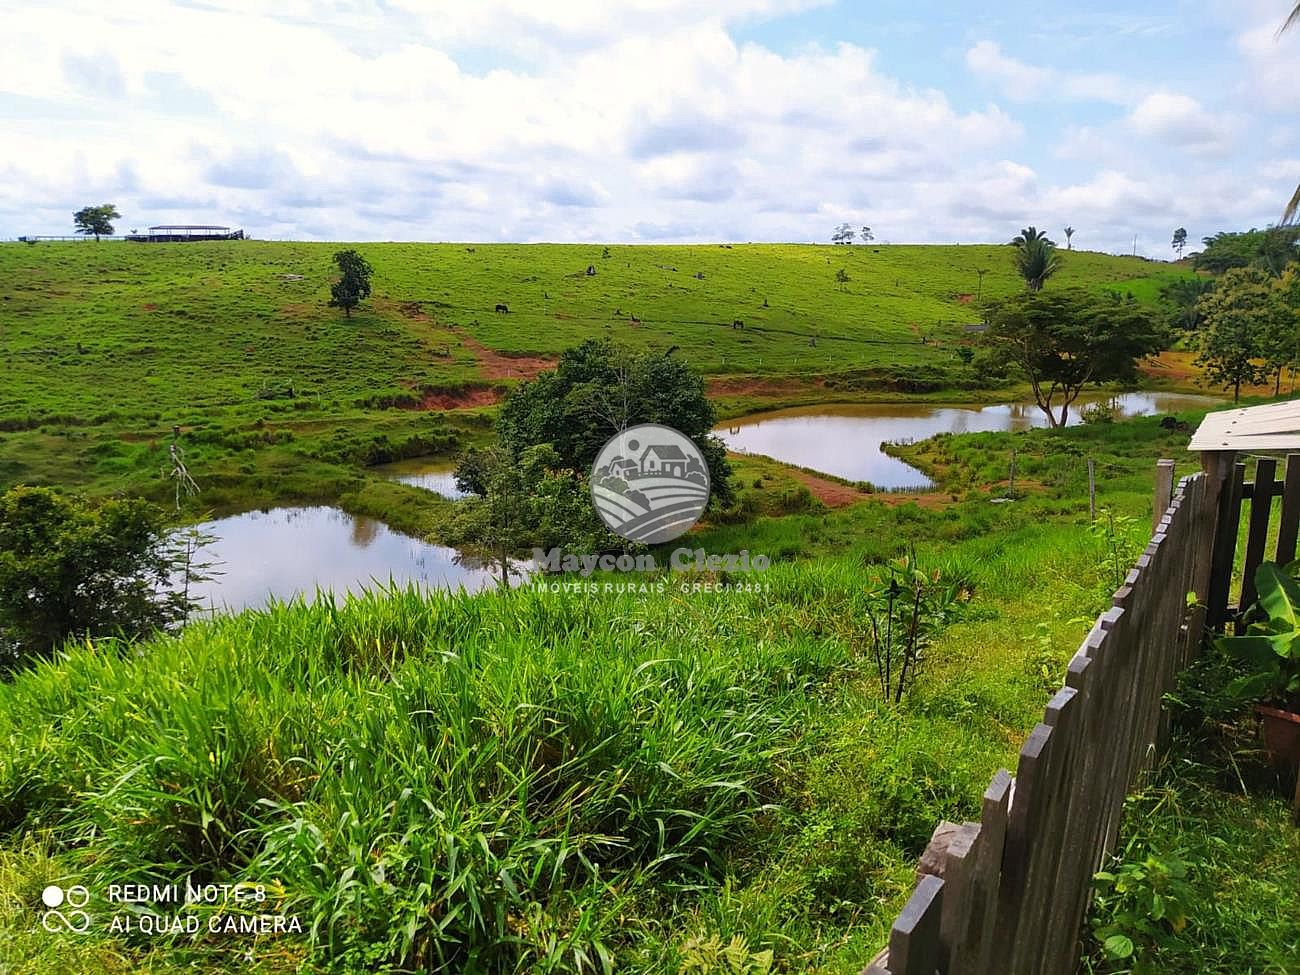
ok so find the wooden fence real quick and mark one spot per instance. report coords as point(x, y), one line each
point(1222, 609)
point(1008, 895)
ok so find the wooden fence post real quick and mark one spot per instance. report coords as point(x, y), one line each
point(1290, 521)
point(1261, 507)
point(1164, 491)
point(1092, 490)
point(1225, 478)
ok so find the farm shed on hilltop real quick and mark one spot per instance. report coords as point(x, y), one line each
point(175, 233)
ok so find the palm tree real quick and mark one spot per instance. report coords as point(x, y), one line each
point(1069, 232)
point(1036, 258)
point(1293, 208)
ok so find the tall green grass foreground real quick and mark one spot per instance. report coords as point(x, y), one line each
point(431, 781)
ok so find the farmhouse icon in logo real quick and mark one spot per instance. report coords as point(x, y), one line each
point(649, 483)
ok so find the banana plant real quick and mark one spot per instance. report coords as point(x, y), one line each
point(1270, 647)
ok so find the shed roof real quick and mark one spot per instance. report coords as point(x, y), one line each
point(187, 226)
point(1275, 426)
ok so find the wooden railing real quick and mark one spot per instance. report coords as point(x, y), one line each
point(1221, 609)
point(1008, 895)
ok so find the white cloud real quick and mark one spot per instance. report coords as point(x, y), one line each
point(1180, 120)
point(1020, 81)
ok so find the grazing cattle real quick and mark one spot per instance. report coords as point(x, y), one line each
point(737, 323)
point(591, 270)
point(503, 309)
point(469, 250)
point(634, 320)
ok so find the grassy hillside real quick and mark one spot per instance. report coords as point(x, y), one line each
point(107, 346)
point(531, 781)
point(519, 781)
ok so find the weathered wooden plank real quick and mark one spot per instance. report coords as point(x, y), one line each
point(1048, 956)
point(956, 867)
point(1289, 525)
point(1164, 491)
point(1024, 851)
point(974, 952)
point(1081, 833)
point(1225, 547)
point(914, 938)
point(1256, 534)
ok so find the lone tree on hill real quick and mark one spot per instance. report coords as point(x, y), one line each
point(354, 285)
point(1179, 242)
point(1036, 258)
point(844, 234)
point(96, 220)
point(1069, 339)
point(866, 236)
point(1069, 233)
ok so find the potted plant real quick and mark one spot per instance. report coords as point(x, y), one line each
point(1270, 652)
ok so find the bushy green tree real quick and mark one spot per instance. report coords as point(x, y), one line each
point(1036, 258)
point(69, 569)
point(354, 282)
point(1247, 332)
point(96, 220)
point(1271, 250)
point(1184, 296)
point(1066, 340)
point(524, 501)
point(598, 389)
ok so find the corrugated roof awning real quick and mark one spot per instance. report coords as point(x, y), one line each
point(1275, 426)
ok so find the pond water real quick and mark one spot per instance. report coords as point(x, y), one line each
point(845, 440)
point(438, 476)
point(285, 552)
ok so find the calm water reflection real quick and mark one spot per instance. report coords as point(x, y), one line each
point(438, 476)
point(287, 551)
point(845, 440)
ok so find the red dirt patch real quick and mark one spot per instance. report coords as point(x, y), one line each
point(458, 399)
point(414, 310)
point(965, 299)
point(499, 365)
point(1182, 368)
point(830, 493)
point(149, 307)
point(755, 386)
point(931, 499)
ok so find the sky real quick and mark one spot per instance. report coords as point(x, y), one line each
point(652, 121)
